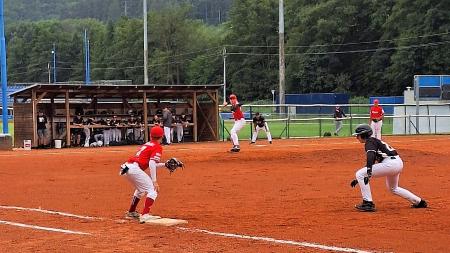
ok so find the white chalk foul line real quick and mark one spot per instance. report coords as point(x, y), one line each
point(43, 228)
point(50, 212)
point(272, 240)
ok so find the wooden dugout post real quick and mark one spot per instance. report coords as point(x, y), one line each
point(67, 100)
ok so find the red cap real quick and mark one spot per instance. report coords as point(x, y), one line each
point(376, 101)
point(232, 96)
point(156, 132)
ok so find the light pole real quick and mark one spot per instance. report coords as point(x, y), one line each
point(4, 72)
point(273, 99)
point(281, 52)
point(145, 43)
point(54, 62)
point(87, 63)
point(224, 75)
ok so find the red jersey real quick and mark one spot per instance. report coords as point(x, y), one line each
point(237, 113)
point(148, 151)
point(376, 112)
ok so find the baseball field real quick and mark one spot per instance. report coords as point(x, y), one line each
point(291, 196)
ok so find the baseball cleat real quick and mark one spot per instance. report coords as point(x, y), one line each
point(270, 142)
point(235, 148)
point(252, 142)
point(147, 217)
point(421, 204)
point(366, 206)
point(132, 215)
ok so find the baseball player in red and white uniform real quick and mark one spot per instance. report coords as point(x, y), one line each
point(376, 119)
point(239, 121)
point(146, 186)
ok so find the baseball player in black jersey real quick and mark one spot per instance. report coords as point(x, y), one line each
point(389, 165)
point(259, 123)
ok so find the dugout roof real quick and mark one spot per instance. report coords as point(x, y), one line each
point(115, 91)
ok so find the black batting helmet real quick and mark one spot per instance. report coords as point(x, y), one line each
point(364, 130)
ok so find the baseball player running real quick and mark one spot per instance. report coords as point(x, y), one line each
point(389, 165)
point(239, 121)
point(148, 156)
point(259, 123)
point(376, 119)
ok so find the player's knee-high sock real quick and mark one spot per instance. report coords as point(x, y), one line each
point(148, 204)
point(269, 136)
point(134, 204)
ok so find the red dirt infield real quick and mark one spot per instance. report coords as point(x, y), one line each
point(293, 190)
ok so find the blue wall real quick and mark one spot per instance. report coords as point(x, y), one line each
point(388, 100)
point(317, 98)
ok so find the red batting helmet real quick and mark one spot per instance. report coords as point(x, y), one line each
point(156, 132)
point(376, 101)
point(232, 96)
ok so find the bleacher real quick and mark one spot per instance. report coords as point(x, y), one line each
point(10, 89)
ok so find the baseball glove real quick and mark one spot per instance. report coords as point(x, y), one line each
point(173, 164)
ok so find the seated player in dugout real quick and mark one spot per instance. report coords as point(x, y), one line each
point(389, 165)
point(259, 123)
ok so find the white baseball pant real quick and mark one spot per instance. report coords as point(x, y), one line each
point(391, 169)
point(376, 128)
point(167, 134)
point(107, 136)
point(180, 132)
point(141, 181)
point(265, 128)
point(238, 125)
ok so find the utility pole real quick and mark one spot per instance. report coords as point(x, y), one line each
point(282, 79)
point(4, 72)
point(145, 44)
point(54, 62)
point(224, 74)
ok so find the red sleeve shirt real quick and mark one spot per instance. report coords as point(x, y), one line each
point(237, 113)
point(376, 112)
point(148, 151)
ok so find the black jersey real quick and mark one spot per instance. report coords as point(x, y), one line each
point(377, 150)
point(261, 122)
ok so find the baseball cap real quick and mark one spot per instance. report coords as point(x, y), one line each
point(376, 101)
point(156, 132)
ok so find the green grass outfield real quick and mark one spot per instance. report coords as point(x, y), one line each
point(278, 129)
point(312, 128)
point(10, 125)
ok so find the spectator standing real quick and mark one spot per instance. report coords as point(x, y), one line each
point(167, 123)
point(42, 129)
point(77, 122)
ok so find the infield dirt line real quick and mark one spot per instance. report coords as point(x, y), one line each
point(192, 230)
point(272, 240)
point(50, 212)
point(65, 231)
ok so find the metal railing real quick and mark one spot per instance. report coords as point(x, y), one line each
point(318, 121)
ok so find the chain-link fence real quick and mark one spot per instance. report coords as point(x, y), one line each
point(297, 121)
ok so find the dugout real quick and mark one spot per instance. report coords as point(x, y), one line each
point(60, 102)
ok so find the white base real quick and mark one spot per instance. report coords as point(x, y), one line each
point(167, 222)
